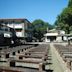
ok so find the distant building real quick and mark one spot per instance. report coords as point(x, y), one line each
point(21, 26)
point(55, 36)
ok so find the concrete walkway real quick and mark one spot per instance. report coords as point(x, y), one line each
point(58, 64)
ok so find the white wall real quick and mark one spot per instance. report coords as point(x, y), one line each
point(59, 39)
point(18, 26)
point(19, 34)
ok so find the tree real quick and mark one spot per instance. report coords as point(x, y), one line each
point(39, 28)
point(64, 20)
point(70, 3)
point(39, 25)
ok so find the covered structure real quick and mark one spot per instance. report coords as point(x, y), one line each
point(54, 36)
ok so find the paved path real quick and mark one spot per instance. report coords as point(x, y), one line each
point(58, 64)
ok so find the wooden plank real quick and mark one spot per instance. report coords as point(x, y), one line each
point(8, 69)
point(31, 56)
point(27, 61)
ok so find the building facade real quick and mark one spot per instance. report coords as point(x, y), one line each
point(22, 27)
point(55, 36)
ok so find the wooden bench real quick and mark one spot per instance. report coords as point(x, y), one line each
point(66, 54)
point(9, 69)
point(28, 63)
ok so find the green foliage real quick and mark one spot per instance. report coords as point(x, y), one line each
point(64, 20)
point(66, 16)
point(38, 21)
point(40, 28)
point(70, 3)
point(40, 25)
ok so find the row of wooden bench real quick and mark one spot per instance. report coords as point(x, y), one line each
point(66, 54)
point(8, 52)
point(34, 57)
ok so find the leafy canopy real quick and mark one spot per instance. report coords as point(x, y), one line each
point(64, 20)
point(40, 28)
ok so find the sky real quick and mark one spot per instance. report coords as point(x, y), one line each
point(47, 10)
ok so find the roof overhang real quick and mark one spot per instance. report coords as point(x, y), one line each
point(51, 34)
